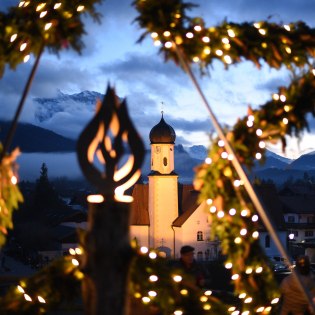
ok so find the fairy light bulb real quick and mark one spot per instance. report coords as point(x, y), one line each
point(231, 33)
point(220, 214)
point(276, 96)
point(267, 309)
point(154, 35)
point(232, 308)
point(26, 58)
point(275, 301)
point(208, 160)
point(197, 28)
point(237, 240)
point(206, 39)
point(235, 312)
point(78, 251)
point(224, 155)
point(313, 71)
point(255, 218)
point(288, 50)
point(230, 157)
point(258, 156)
point(285, 120)
point(20, 289)
point(262, 144)
point(48, 26)
point(225, 40)
point(203, 299)
point(80, 8)
point(245, 313)
point(196, 59)
point(75, 262)
point(257, 25)
point(157, 43)
point(259, 269)
point(250, 123)
point(152, 255)
point(27, 297)
point(228, 265)
point(14, 180)
point(146, 299)
point(207, 307)
point(71, 251)
point(227, 59)
point(42, 14)
point(235, 276)
point(244, 213)
point(57, 5)
point(255, 234)
point(282, 98)
point(13, 38)
point(219, 52)
point(213, 209)
point(177, 278)
point(168, 44)
point(208, 292)
point(248, 300)
point(23, 46)
point(262, 31)
point(237, 183)
point(167, 34)
point(249, 270)
point(232, 211)
point(189, 35)
point(152, 293)
point(259, 132)
point(144, 249)
point(207, 50)
point(287, 27)
point(183, 291)
point(243, 232)
point(221, 143)
point(41, 299)
point(40, 7)
point(260, 309)
point(178, 312)
point(21, 4)
point(153, 278)
point(209, 201)
point(242, 295)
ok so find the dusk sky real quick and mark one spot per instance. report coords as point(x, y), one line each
point(140, 74)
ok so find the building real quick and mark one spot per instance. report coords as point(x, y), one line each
point(165, 213)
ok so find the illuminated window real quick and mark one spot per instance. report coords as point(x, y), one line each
point(199, 236)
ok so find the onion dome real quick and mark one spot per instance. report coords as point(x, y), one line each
point(162, 133)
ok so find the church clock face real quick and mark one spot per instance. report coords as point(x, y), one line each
point(157, 149)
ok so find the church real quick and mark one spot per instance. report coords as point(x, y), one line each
point(165, 214)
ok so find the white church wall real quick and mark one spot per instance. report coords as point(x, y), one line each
point(140, 233)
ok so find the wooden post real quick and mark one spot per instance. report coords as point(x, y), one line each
point(107, 258)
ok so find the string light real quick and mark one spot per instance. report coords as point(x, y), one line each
point(220, 214)
point(208, 160)
point(248, 300)
point(80, 8)
point(213, 209)
point(275, 301)
point(227, 59)
point(197, 28)
point(23, 46)
point(255, 218)
point(282, 98)
point(206, 39)
point(154, 35)
point(231, 33)
point(167, 34)
point(255, 234)
point(209, 201)
point(48, 26)
point(224, 155)
point(228, 265)
point(168, 44)
point(41, 299)
point(244, 213)
point(14, 180)
point(249, 270)
point(152, 293)
point(219, 52)
point(258, 155)
point(42, 14)
point(153, 278)
point(262, 144)
point(285, 120)
point(13, 38)
point(243, 232)
point(27, 297)
point(262, 31)
point(235, 276)
point(144, 249)
point(275, 96)
point(146, 299)
point(259, 132)
point(238, 240)
point(153, 255)
point(57, 5)
point(75, 262)
point(40, 6)
point(232, 211)
point(287, 27)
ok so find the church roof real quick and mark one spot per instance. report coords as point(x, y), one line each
point(162, 133)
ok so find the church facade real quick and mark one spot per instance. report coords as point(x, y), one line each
point(165, 213)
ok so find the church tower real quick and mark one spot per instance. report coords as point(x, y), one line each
point(163, 188)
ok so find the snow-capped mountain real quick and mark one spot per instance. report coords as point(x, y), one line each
point(46, 108)
point(304, 162)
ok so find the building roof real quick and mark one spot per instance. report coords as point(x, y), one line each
point(140, 205)
point(162, 133)
point(299, 204)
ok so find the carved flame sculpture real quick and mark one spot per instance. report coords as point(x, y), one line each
point(104, 143)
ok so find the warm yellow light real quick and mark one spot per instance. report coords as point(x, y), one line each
point(208, 160)
point(152, 293)
point(48, 26)
point(275, 96)
point(167, 34)
point(260, 309)
point(154, 35)
point(189, 35)
point(259, 269)
point(14, 180)
point(242, 295)
point(21, 4)
point(245, 313)
point(13, 38)
point(227, 59)
point(313, 71)
point(255, 218)
point(259, 132)
point(153, 255)
point(168, 44)
point(257, 25)
point(262, 144)
point(71, 251)
point(264, 45)
point(206, 39)
point(219, 52)
point(203, 299)
point(178, 312)
point(40, 6)
point(177, 278)
point(225, 40)
point(228, 265)
point(207, 307)
point(255, 234)
point(26, 58)
point(20, 289)
point(57, 5)
point(235, 312)
point(209, 202)
point(78, 251)
point(146, 299)
point(285, 120)
point(232, 308)
point(153, 278)
point(282, 98)
point(41, 299)
point(197, 28)
point(244, 213)
point(287, 27)
point(80, 8)
point(157, 43)
point(235, 276)
point(249, 270)
point(231, 33)
point(207, 51)
point(75, 262)
point(258, 155)
point(208, 293)
point(95, 198)
point(248, 300)
point(196, 59)
point(275, 301)
point(27, 297)
point(262, 31)
point(237, 240)
point(232, 211)
point(42, 14)
point(183, 292)
point(224, 155)
point(23, 46)
point(213, 209)
point(144, 250)
point(220, 214)
point(288, 50)
point(267, 309)
point(243, 232)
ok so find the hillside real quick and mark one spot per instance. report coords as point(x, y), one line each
point(30, 138)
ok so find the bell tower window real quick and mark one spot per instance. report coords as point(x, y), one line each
point(165, 161)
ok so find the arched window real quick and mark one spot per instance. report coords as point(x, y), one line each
point(267, 241)
point(165, 161)
point(199, 236)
